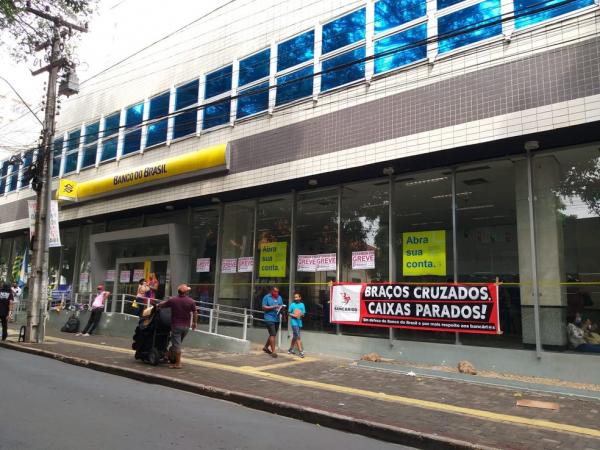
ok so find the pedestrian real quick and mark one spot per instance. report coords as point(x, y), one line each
point(152, 289)
point(181, 308)
point(17, 293)
point(297, 312)
point(6, 299)
point(140, 297)
point(96, 313)
point(272, 305)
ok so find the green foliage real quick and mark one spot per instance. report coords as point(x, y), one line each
point(21, 31)
point(583, 180)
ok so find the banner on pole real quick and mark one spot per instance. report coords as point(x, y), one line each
point(53, 228)
point(442, 307)
point(32, 209)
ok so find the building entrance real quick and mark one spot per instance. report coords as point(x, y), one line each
point(129, 272)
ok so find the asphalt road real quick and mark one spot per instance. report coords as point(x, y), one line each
point(46, 404)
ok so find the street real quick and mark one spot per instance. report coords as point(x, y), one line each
point(50, 405)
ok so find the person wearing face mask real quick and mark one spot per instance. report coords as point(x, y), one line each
point(576, 336)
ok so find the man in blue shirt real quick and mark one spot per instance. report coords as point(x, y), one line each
point(271, 305)
point(297, 311)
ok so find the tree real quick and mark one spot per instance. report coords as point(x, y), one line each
point(21, 32)
point(582, 180)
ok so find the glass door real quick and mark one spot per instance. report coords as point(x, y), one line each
point(129, 272)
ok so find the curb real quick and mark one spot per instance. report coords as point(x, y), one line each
point(389, 433)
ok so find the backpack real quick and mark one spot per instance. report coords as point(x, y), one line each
point(71, 326)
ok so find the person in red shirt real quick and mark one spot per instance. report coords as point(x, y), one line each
point(181, 308)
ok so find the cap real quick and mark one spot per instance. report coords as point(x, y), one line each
point(183, 288)
point(100, 287)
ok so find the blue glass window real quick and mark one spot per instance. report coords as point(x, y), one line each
point(342, 69)
point(185, 97)
point(3, 172)
point(472, 24)
point(88, 157)
point(401, 49)
point(27, 161)
point(111, 124)
point(133, 119)
point(157, 129)
point(57, 152)
point(296, 50)
point(253, 100)
point(11, 181)
point(441, 4)
point(294, 85)
point(109, 149)
point(216, 114)
point(91, 134)
point(71, 162)
point(392, 13)
point(73, 139)
point(344, 31)
point(530, 12)
point(255, 67)
point(218, 82)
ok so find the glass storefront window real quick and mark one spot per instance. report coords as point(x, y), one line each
point(423, 209)
point(273, 238)
point(204, 241)
point(237, 242)
point(567, 215)
point(487, 244)
point(364, 234)
point(5, 250)
point(69, 239)
point(316, 234)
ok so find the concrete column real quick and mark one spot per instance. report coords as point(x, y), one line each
point(179, 256)
point(550, 254)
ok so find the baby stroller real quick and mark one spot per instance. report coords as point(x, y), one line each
point(151, 338)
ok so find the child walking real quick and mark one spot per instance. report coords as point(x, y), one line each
point(297, 311)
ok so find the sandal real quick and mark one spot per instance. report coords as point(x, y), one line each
point(267, 351)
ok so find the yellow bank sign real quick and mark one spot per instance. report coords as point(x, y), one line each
point(201, 162)
point(424, 253)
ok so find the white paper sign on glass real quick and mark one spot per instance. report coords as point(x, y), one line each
point(363, 260)
point(138, 274)
point(125, 276)
point(84, 277)
point(326, 262)
point(246, 264)
point(110, 275)
point(306, 263)
point(202, 265)
point(229, 265)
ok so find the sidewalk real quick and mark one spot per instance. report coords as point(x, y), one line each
point(425, 412)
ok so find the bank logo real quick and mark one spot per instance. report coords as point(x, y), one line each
point(68, 188)
point(345, 297)
point(345, 303)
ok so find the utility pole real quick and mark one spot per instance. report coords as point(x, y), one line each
point(36, 311)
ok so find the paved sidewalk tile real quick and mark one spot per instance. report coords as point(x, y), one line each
point(480, 414)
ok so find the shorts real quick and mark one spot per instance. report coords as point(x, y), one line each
point(272, 328)
point(177, 335)
point(295, 332)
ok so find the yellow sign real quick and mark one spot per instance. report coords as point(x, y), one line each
point(424, 253)
point(147, 268)
point(205, 161)
point(67, 190)
point(273, 258)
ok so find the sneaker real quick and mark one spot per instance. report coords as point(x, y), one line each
point(274, 355)
point(291, 351)
point(78, 334)
point(86, 334)
point(301, 354)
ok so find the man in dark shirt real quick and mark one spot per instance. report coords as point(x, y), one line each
point(6, 299)
point(181, 308)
